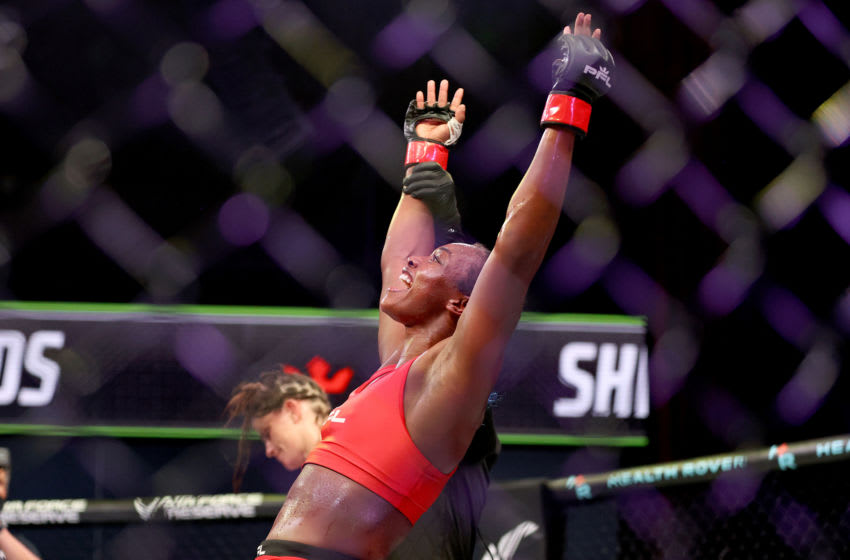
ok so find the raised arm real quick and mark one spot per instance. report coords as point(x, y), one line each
point(473, 356)
point(412, 228)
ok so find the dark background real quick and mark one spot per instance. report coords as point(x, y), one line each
point(250, 153)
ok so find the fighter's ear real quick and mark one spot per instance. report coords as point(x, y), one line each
point(290, 406)
point(457, 305)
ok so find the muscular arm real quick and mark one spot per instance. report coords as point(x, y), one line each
point(411, 230)
point(496, 303)
point(471, 360)
point(465, 369)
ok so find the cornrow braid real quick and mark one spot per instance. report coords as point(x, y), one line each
point(254, 399)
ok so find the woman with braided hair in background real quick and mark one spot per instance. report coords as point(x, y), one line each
point(287, 410)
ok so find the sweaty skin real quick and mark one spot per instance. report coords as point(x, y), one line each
point(458, 340)
point(324, 507)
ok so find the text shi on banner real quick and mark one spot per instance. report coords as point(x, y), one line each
point(164, 366)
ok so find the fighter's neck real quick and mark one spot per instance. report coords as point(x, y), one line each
point(417, 341)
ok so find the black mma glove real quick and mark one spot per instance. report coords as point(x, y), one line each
point(423, 149)
point(582, 75)
point(434, 186)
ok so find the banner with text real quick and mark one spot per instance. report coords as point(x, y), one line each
point(72, 365)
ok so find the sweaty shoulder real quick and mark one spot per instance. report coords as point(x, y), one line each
point(440, 416)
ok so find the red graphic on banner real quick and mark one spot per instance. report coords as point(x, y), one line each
point(320, 371)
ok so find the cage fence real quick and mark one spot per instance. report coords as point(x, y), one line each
point(785, 501)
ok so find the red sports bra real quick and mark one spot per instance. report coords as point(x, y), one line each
point(366, 440)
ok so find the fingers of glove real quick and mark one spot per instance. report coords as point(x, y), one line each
point(427, 193)
point(431, 90)
point(415, 114)
point(443, 96)
point(460, 113)
point(583, 27)
point(429, 181)
point(425, 188)
point(434, 109)
point(433, 98)
point(428, 167)
point(439, 198)
point(429, 171)
point(457, 100)
point(582, 24)
point(585, 68)
point(429, 190)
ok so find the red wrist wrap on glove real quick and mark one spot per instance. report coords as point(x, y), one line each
point(566, 110)
point(417, 152)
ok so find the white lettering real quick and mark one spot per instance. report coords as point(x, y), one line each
point(646, 476)
point(834, 447)
point(642, 385)
point(571, 375)
point(618, 385)
point(217, 506)
point(42, 367)
point(600, 73)
point(617, 380)
point(39, 512)
point(16, 355)
point(12, 345)
point(76, 505)
point(210, 512)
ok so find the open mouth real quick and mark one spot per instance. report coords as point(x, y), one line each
point(406, 279)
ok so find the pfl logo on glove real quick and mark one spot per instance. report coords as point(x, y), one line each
point(583, 73)
point(600, 73)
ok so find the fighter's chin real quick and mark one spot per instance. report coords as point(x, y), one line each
point(387, 305)
point(387, 298)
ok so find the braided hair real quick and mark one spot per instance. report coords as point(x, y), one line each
point(254, 399)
